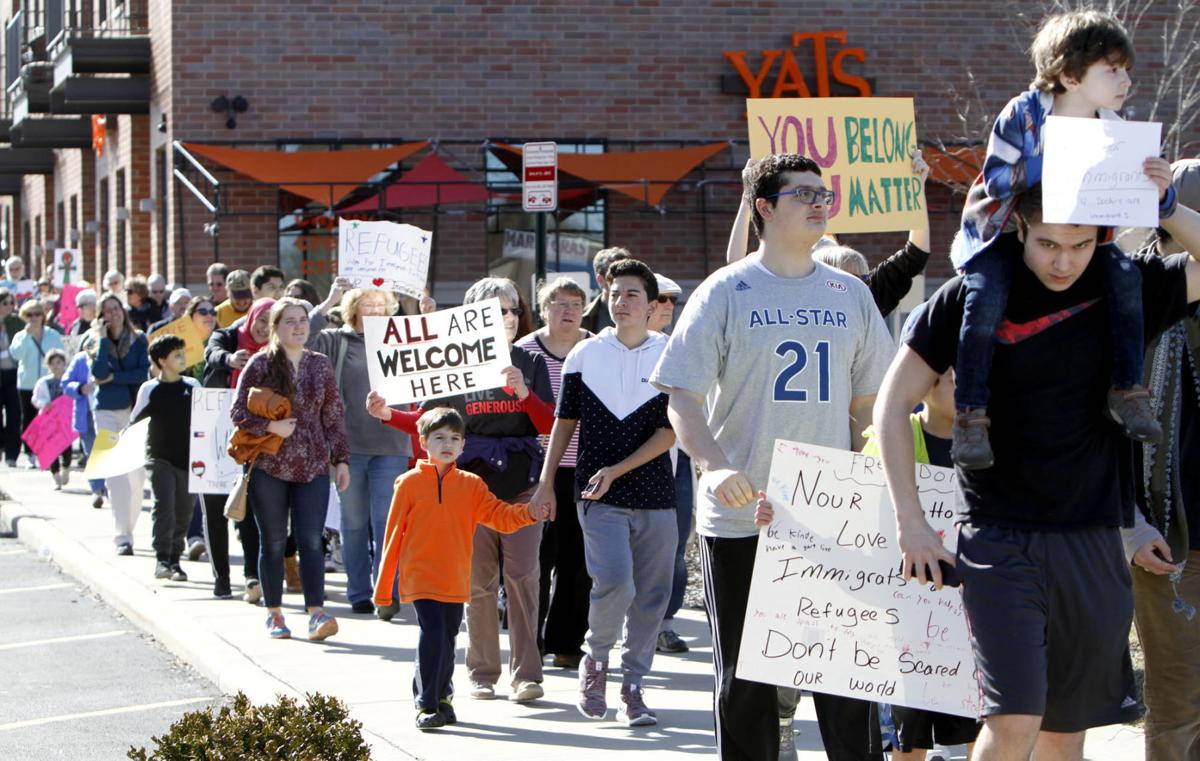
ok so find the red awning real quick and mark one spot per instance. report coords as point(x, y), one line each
point(431, 182)
point(643, 175)
point(326, 176)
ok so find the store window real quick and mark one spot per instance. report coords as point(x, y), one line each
point(122, 216)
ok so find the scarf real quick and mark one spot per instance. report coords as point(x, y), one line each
point(245, 339)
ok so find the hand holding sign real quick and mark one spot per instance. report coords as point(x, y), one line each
point(385, 255)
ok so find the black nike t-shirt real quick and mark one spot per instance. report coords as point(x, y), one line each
point(1060, 463)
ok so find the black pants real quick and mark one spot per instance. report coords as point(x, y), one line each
point(10, 414)
point(28, 413)
point(563, 612)
point(172, 509)
point(439, 622)
point(216, 537)
point(746, 713)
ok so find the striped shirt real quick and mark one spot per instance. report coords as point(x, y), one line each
point(554, 364)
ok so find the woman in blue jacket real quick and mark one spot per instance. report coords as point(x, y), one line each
point(120, 365)
point(78, 384)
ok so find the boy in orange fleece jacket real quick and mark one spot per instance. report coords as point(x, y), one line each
point(430, 527)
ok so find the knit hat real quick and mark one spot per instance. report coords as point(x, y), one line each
point(179, 294)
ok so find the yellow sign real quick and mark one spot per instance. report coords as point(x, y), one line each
point(185, 329)
point(864, 148)
point(117, 453)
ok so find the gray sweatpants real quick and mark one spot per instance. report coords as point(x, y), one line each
point(630, 556)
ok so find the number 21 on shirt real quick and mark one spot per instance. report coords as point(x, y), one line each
point(798, 359)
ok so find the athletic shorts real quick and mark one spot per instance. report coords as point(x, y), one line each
point(917, 728)
point(1049, 615)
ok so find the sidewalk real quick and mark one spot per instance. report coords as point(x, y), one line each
point(369, 663)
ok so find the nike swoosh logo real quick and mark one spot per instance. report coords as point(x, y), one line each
point(1009, 332)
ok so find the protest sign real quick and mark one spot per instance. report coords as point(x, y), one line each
point(67, 267)
point(50, 433)
point(67, 311)
point(573, 251)
point(212, 470)
point(829, 609)
point(387, 255)
point(448, 352)
point(1092, 172)
point(864, 148)
point(23, 290)
point(185, 328)
point(115, 454)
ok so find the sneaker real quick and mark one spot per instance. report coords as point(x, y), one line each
point(11, 463)
point(162, 570)
point(276, 628)
point(177, 573)
point(970, 448)
point(481, 691)
point(195, 548)
point(670, 642)
point(787, 741)
point(321, 625)
point(523, 692)
point(593, 679)
point(561, 661)
point(64, 475)
point(125, 548)
point(291, 575)
point(387, 612)
point(1132, 410)
point(446, 709)
point(57, 481)
point(221, 588)
point(430, 720)
point(253, 591)
point(365, 607)
point(633, 710)
point(97, 501)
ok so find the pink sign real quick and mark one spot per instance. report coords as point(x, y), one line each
point(67, 311)
point(50, 433)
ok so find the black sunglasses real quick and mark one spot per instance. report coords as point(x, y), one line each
point(515, 311)
point(665, 299)
point(206, 311)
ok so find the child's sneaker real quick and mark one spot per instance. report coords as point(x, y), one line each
point(162, 570)
point(523, 692)
point(177, 573)
point(970, 448)
point(64, 475)
point(276, 628)
point(430, 720)
point(387, 612)
point(1131, 408)
point(633, 710)
point(593, 679)
point(482, 691)
point(446, 709)
point(253, 591)
point(321, 625)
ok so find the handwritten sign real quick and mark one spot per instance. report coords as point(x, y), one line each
point(386, 255)
point(185, 328)
point(50, 433)
point(23, 290)
point(829, 610)
point(1092, 172)
point(212, 470)
point(864, 148)
point(117, 453)
point(448, 352)
point(67, 267)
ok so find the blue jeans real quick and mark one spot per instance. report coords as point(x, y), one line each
point(365, 508)
point(439, 622)
point(87, 440)
point(683, 518)
point(273, 501)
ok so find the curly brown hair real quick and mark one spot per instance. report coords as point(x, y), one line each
point(1067, 44)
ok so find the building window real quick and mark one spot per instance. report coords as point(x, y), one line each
point(60, 221)
point(103, 231)
point(122, 224)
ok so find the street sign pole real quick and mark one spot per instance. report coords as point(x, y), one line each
point(539, 259)
point(539, 193)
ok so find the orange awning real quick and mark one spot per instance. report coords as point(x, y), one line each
point(340, 171)
point(956, 166)
point(643, 175)
point(431, 182)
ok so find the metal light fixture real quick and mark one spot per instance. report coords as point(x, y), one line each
point(229, 107)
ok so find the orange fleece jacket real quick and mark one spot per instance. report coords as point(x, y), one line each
point(430, 532)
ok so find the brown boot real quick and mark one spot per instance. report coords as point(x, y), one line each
point(1131, 409)
point(291, 575)
point(970, 448)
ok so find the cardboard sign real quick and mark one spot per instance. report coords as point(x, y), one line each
point(212, 470)
point(829, 610)
point(185, 328)
point(1092, 172)
point(864, 148)
point(67, 311)
point(386, 255)
point(68, 267)
point(23, 290)
point(51, 433)
point(115, 454)
point(448, 352)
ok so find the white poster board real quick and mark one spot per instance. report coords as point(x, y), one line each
point(448, 352)
point(115, 454)
point(211, 470)
point(386, 255)
point(1092, 172)
point(829, 610)
point(68, 267)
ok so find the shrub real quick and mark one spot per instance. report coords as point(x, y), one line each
point(319, 730)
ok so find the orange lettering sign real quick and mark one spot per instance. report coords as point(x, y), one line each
point(788, 79)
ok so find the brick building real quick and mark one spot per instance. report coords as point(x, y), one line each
point(158, 82)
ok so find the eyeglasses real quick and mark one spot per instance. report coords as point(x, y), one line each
point(809, 196)
point(206, 311)
point(665, 299)
point(572, 305)
point(515, 311)
point(35, 314)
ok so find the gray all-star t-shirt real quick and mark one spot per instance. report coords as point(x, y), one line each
point(777, 358)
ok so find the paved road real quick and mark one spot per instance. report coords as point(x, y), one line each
point(77, 680)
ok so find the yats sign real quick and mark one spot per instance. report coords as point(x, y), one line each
point(779, 73)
